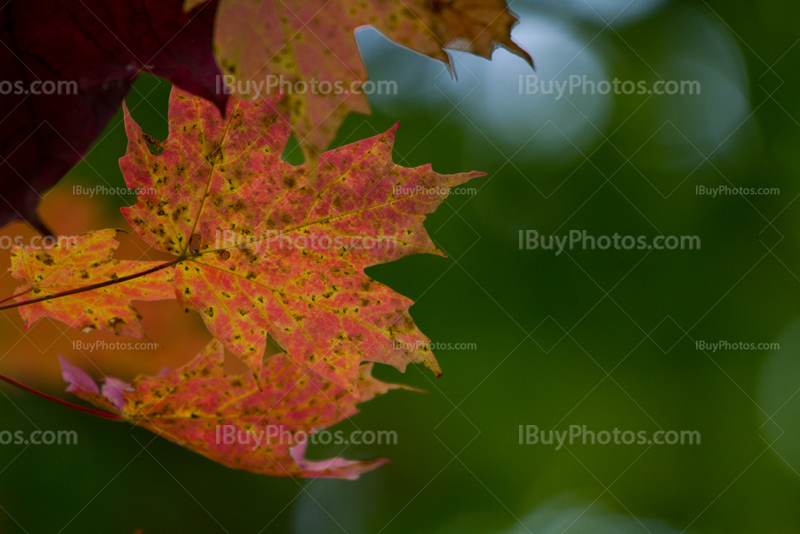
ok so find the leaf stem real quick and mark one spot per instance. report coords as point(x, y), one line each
point(92, 411)
point(91, 287)
point(15, 295)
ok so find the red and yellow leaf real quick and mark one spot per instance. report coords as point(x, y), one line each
point(233, 421)
point(265, 250)
point(76, 262)
point(268, 44)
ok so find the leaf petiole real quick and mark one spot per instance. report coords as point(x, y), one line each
point(91, 287)
point(92, 411)
point(15, 295)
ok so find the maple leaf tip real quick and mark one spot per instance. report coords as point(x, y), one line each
point(131, 128)
point(451, 66)
point(514, 48)
point(521, 52)
point(439, 252)
point(391, 133)
point(76, 378)
point(410, 388)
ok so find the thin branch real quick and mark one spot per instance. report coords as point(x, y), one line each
point(91, 287)
point(92, 411)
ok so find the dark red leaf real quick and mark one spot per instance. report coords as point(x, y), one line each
point(100, 47)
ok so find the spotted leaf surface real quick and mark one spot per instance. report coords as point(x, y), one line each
point(75, 262)
point(266, 44)
point(233, 421)
point(267, 250)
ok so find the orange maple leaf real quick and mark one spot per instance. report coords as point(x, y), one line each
point(262, 248)
point(233, 421)
point(298, 46)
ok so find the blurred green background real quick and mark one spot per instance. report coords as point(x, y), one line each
point(606, 339)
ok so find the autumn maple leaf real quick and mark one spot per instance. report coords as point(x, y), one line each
point(261, 248)
point(268, 44)
point(74, 263)
point(69, 64)
point(233, 421)
point(266, 251)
